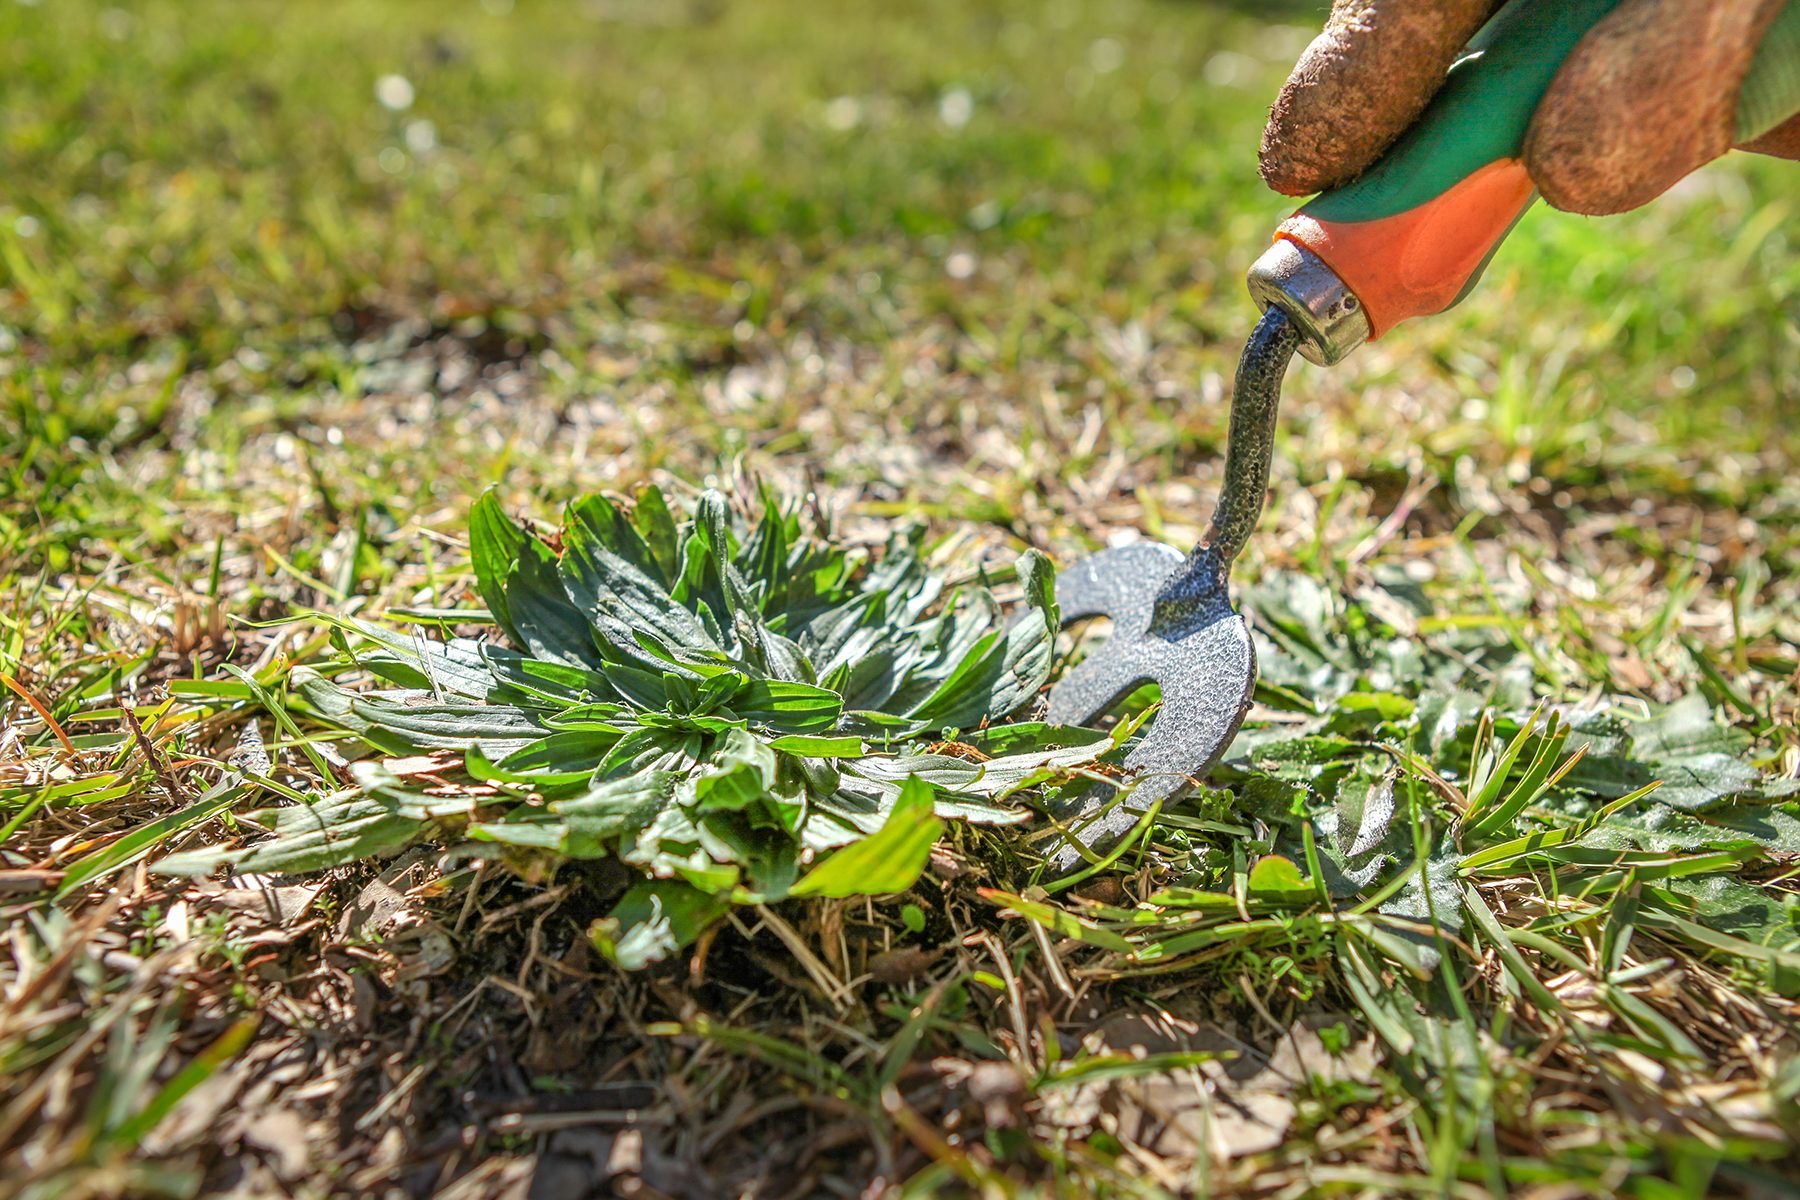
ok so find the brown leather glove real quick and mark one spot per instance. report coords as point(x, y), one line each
point(1648, 95)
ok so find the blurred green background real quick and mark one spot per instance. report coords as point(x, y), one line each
point(966, 255)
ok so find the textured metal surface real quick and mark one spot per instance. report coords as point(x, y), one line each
point(1250, 446)
point(1198, 650)
point(1173, 623)
point(1292, 278)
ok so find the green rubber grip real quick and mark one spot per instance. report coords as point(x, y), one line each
point(1771, 90)
point(1478, 117)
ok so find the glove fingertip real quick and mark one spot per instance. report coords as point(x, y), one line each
point(1648, 96)
point(1359, 85)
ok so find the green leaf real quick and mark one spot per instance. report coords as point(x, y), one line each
point(788, 707)
point(1546, 769)
point(653, 921)
point(939, 770)
point(571, 756)
point(1430, 897)
point(1037, 575)
point(340, 828)
point(603, 716)
point(1003, 670)
point(1700, 781)
point(1097, 1068)
point(1302, 759)
point(1361, 712)
point(1781, 962)
point(1739, 909)
point(524, 826)
point(1699, 760)
point(498, 730)
point(861, 805)
point(739, 772)
point(1685, 729)
point(518, 577)
point(701, 580)
point(813, 746)
point(597, 521)
point(641, 690)
point(1540, 841)
point(765, 554)
point(995, 777)
point(457, 665)
point(887, 862)
point(1365, 807)
point(883, 727)
point(495, 547)
point(1029, 737)
point(650, 749)
point(623, 602)
point(536, 680)
point(1489, 769)
point(1277, 880)
point(1002, 777)
point(615, 811)
point(655, 524)
point(125, 1137)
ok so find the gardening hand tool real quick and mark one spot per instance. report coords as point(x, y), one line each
point(1173, 623)
point(1408, 238)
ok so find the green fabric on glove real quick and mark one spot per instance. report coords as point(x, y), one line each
point(1771, 90)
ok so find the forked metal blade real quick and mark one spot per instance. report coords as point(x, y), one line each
point(1173, 625)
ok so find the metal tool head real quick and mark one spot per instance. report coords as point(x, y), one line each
point(1173, 625)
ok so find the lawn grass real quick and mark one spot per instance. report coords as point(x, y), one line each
point(271, 320)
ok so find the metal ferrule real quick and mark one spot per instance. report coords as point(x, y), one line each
point(1328, 315)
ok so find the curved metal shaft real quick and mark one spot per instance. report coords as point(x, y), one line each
point(1250, 446)
point(1200, 585)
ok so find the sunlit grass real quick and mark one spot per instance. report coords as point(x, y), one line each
point(283, 288)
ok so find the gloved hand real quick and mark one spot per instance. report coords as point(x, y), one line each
point(1655, 89)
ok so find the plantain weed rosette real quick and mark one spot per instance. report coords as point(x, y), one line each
point(739, 711)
